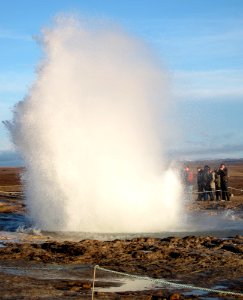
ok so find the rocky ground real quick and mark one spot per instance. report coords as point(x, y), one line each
point(236, 204)
point(201, 261)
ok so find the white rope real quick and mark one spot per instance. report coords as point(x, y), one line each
point(192, 192)
point(33, 268)
point(157, 281)
point(213, 191)
point(241, 190)
point(163, 282)
point(10, 193)
point(195, 192)
point(5, 186)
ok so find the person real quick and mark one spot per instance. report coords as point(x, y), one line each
point(199, 183)
point(218, 192)
point(206, 181)
point(212, 182)
point(187, 180)
point(223, 173)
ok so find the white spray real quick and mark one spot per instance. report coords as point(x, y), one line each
point(87, 133)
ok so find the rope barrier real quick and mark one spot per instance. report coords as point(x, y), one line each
point(33, 268)
point(15, 185)
point(10, 193)
point(161, 281)
point(213, 191)
point(157, 281)
point(241, 190)
point(192, 192)
point(195, 192)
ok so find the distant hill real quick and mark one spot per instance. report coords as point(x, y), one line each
point(218, 161)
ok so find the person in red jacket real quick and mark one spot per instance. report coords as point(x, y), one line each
point(187, 180)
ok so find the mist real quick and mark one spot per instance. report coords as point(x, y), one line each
point(88, 133)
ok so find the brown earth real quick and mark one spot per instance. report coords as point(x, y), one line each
point(202, 261)
point(10, 176)
point(11, 198)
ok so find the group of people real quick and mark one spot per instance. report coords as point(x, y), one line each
point(212, 183)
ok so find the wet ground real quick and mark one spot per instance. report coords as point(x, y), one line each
point(65, 269)
point(62, 264)
point(206, 250)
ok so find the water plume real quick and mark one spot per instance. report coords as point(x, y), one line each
point(87, 131)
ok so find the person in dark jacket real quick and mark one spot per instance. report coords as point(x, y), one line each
point(199, 183)
point(207, 178)
point(223, 173)
point(206, 184)
point(218, 192)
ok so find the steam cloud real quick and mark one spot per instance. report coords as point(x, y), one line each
point(87, 133)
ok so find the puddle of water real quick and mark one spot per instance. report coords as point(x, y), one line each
point(85, 272)
point(47, 271)
point(131, 285)
point(210, 298)
point(127, 285)
point(19, 237)
point(12, 221)
point(196, 293)
point(221, 224)
point(219, 287)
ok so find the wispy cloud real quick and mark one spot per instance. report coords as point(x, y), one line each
point(195, 32)
point(201, 45)
point(204, 56)
point(10, 35)
point(15, 81)
point(209, 85)
point(203, 39)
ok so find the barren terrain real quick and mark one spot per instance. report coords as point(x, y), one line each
point(203, 261)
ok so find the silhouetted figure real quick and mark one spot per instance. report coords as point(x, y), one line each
point(223, 173)
point(212, 182)
point(199, 183)
point(187, 180)
point(207, 178)
point(218, 191)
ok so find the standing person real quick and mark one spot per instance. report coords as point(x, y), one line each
point(187, 179)
point(204, 184)
point(218, 192)
point(199, 183)
point(223, 173)
point(207, 178)
point(212, 182)
point(208, 183)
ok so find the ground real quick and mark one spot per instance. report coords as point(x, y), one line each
point(200, 260)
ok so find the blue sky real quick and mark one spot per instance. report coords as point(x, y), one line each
point(200, 43)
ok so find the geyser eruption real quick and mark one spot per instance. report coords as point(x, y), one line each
point(87, 133)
